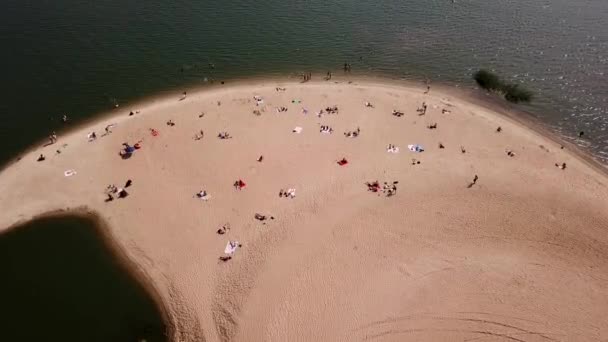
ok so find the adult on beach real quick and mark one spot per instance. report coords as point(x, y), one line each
point(341, 239)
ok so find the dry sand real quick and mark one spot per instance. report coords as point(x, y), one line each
point(520, 256)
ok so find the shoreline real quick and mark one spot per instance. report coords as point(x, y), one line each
point(117, 252)
point(468, 92)
point(170, 237)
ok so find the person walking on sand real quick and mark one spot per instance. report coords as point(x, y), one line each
point(475, 179)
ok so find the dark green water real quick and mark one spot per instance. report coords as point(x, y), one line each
point(61, 283)
point(77, 57)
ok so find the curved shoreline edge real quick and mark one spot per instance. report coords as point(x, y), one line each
point(468, 93)
point(69, 192)
point(141, 278)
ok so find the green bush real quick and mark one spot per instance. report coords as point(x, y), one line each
point(512, 92)
point(487, 80)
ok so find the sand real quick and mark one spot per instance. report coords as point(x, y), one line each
point(520, 256)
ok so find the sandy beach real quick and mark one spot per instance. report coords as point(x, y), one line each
point(521, 254)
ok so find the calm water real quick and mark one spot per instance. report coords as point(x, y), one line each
point(60, 283)
point(77, 57)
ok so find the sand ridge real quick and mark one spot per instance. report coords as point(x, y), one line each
point(519, 256)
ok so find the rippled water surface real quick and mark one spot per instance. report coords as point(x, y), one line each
point(80, 56)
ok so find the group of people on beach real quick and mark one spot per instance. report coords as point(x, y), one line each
point(353, 134)
point(307, 77)
point(326, 129)
point(112, 190)
point(386, 188)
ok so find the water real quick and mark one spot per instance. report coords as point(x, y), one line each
point(61, 283)
point(77, 57)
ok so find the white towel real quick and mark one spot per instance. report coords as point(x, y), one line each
point(69, 173)
point(298, 130)
point(291, 193)
point(231, 247)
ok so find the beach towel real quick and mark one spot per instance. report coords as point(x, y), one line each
point(231, 247)
point(69, 173)
point(291, 193)
point(240, 184)
point(298, 130)
point(415, 148)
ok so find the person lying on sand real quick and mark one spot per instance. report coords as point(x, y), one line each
point(108, 129)
point(224, 135)
point(369, 105)
point(41, 158)
point(422, 110)
point(326, 129)
point(223, 229)
point(122, 193)
point(441, 145)
point(432, 126)
point(170, 123)
point(445, 111)
point(510, 153)
point(332, 110)
point(261, 217)
point(239, 184)
point(373, 186)
point(563, 166)
point(199, 135)
point(397, 113)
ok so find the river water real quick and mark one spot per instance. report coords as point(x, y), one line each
point(62, 282)
point(79, 57)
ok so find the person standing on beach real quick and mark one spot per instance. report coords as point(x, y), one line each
point(53, 138)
